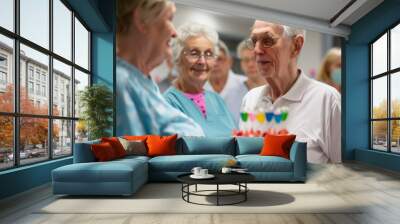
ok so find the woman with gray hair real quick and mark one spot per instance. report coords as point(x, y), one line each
point(144, 32)
point(195, 50)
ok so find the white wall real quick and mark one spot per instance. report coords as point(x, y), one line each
point(312, 53)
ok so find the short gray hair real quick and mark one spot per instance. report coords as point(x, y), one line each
point(290, 31)
point(241, 47)
point(188, 30)
point(222, 46)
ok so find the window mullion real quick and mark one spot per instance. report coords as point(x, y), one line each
point(16, 70)
point(50, 81)
point(73, 82)
point(389, 101)
point(371, 89)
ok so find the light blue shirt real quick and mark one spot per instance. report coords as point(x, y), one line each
point(141, 109)
point(218, 122)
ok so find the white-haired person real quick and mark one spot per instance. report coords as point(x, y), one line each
point(144, 32)
point(249, 66)
point(314, 107)
point(194, 50)
point(226, 83)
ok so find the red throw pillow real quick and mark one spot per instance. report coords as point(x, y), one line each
point(161, 145)
point(277, 145)
point(135, 138)
point(116, 145)
point(103, 152)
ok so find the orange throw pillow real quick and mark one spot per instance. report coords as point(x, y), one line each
point(161, 145)
point(116, 145)
point(103, 152)
point(277, 145)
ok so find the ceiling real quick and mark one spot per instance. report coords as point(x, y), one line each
point(319, 9)
point(235, 17)
point(230, 26)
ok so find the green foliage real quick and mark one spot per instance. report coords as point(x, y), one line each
point(96, 102)
point(380, 127)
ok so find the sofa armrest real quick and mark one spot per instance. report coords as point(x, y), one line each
point(83, 152)
point(298, 155)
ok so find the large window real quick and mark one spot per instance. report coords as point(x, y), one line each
point(44, 64)
point(385, 91)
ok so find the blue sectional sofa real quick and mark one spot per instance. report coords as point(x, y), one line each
point(125, 176)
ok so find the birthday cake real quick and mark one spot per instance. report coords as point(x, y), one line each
point(260, 122)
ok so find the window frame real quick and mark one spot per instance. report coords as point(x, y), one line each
point(3, 77)
point(388, 74)
point(16, 114)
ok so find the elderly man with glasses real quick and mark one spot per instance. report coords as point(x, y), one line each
point(314, 108)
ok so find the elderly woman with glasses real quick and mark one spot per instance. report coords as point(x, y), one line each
point(144, 32)
point(195, 50)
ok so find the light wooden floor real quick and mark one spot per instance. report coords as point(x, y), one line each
point(379, 189)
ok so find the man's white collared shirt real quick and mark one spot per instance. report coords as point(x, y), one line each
point(314, 115)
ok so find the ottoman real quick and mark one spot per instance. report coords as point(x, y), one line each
point(118, 177)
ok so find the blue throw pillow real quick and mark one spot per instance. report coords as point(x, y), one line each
point(249, 145)
point(206, 145)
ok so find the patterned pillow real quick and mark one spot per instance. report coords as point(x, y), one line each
point(134, 147)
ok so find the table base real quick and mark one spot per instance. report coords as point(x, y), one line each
point(241, 191)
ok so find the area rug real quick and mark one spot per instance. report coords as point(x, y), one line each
point(166, 198)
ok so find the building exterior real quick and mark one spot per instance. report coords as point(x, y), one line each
point(34, 79)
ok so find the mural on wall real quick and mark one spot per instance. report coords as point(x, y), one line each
point(254, 121)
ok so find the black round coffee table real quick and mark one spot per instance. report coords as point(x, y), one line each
point(238, 179)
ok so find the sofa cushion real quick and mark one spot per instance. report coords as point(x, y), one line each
point(249, 145)
point(134, 147)
point(116, 145)
point(135, 137)
point(111, 171)
point(277, 145)
point(257, 163)
point(161, 145)
point(131, 158)
point(185, 163)
point(103, 152)
point(206, 145)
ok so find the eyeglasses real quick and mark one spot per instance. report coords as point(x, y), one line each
point(195, 55)
point(267, 41)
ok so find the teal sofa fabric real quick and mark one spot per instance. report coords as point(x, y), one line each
point(247, 145)
point(82, 152)
point(125, 176)
point(206, 145)
point(118, 177)
point(172, 166)
point(298, 155)
point(259, 163)
point(272, 168)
